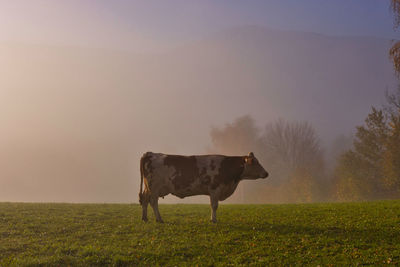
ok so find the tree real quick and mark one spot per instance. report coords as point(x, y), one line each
point(359, 172)
point(293, 153)
point(372, 169)
point(351, 180)
point(391, 160)
point(292, 144)
point(237, 138)
point(394, 52)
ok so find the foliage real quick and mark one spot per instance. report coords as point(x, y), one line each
point(391, 159)
point(246, 235)
point(394, 52)
point(372, 169)
point(349, 184)
point(236, 138)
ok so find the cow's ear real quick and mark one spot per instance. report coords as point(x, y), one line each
point(248, 160)
point(251, 155)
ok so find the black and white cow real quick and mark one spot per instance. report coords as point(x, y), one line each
point(214, 175)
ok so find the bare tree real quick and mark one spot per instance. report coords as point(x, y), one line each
point(290, 146)
point(295, 158)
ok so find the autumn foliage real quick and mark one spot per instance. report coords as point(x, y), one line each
point(371, 169)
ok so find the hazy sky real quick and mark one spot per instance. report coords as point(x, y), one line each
point(142, 24)
point(80, 102)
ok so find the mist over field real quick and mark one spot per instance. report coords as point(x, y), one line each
point(75, 119)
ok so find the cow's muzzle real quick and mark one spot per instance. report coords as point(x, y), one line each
point(265, 175)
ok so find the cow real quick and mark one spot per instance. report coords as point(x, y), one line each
point(214, 175)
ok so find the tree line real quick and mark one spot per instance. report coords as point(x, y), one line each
point(366, 168)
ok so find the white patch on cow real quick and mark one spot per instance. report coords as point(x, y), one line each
point(207, 162)
point(224, 190)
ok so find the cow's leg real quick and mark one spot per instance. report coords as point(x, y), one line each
point(154, 205)
point(144, 202)
point(214, 207)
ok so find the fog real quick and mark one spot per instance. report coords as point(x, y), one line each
point(75, 120)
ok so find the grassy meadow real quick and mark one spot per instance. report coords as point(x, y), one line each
point(256, 235)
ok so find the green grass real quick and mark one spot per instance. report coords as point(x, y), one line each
point(113, 234)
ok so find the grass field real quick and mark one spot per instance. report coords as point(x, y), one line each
point(112, 234)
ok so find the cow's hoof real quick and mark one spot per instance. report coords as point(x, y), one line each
point(145, 219)
point(213, 221)
point(160, 221)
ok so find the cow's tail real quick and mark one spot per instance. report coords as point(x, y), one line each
point(141, 180)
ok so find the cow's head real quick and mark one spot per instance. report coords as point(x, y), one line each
point(252, 168)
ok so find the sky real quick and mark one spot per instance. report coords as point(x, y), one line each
point(86, 87)
point(141, 25)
